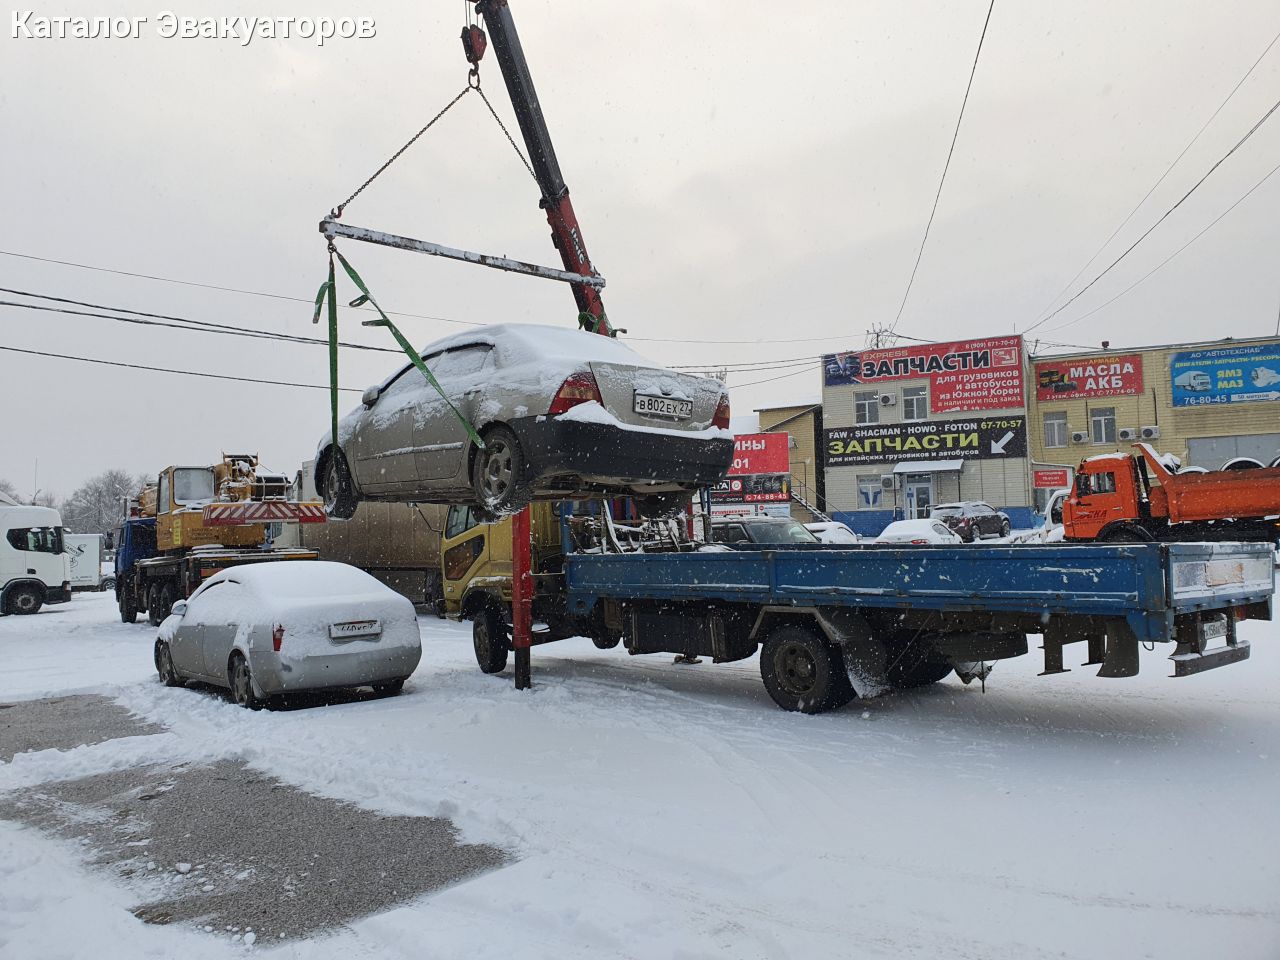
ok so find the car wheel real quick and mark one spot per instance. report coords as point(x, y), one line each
point(340, 499)
point(1004, 528)
point(663, 506)
point(240, 679)
point(107, 584)
point(490, 639)
point(497, 474)
point(164, 666)
point(24, 600)
point(128, 604)
point(972, 537)
point(802, 672)
point(153, 604)
point(391, 689)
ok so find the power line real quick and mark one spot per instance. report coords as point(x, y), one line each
point(1252, 130)
point(185, 373)
point(1162, 263)
point(1190, 143)
point(947, 166)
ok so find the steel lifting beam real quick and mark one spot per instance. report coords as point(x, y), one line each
point(334, 229)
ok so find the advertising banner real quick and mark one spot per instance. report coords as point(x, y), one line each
point(992, 438)
point(1091, 378)
point(1051, 479)
point(761, 471)
point(964, 375)
point(1243, 374)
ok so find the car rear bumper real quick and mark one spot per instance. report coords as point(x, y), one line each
point(606, 453)
point(350, 668)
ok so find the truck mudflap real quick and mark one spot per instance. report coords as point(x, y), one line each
point(1193, 653)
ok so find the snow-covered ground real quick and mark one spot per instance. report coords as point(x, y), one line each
point(672, 811)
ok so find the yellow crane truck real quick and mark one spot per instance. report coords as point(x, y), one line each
point(195, 521)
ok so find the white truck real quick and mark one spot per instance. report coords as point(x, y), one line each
point(34, 567)
point(85, 553)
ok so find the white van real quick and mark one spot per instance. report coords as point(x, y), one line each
point(85, 552)
point(34, 570)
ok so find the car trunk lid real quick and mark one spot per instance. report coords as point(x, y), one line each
point(663, 399)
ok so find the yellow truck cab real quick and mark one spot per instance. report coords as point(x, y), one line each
point(475, 559)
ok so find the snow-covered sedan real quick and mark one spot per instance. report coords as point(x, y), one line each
point(562, 413)
point(289, 626)
point(919, 532)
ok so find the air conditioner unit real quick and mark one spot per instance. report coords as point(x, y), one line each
point(1150, 433)
point(886, 481)
point(1127, 433)
point(1079, 436)
point(888, 399)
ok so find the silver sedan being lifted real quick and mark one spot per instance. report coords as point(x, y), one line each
point(290, 626)
point(562, 413)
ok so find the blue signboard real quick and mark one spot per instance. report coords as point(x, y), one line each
point(1243, 374)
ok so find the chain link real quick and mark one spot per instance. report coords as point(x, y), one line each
point(510, 139)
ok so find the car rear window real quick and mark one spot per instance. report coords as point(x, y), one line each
point(948, 512)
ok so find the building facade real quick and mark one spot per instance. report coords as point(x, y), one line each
point(906, 428)
point(803, 425)
point(1206, 403)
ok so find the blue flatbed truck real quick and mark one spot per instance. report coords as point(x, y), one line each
point(835, 622)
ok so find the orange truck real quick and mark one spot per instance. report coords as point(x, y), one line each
point(1138, 498)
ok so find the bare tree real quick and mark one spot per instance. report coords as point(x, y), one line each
point(96, 506)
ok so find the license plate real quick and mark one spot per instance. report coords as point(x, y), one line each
point(354, 628)
point(651, 406)
point(1213, 629)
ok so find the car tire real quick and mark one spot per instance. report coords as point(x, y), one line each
point(391, 688)
point(108, 584)
point(663, 506)
point(339, 489)
point(240, 679)
point(128, 604)
point(24, 600)
point(169, 675)
point(497, 475)
point(971, 538)
point(802, 672)
point(1005, 528)
point(490, 639)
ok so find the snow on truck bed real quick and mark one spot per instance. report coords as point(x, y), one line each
point(672, 811)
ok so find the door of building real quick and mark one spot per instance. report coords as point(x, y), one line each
point(919, 494)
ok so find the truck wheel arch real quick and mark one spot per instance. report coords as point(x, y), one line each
point(1124, 531)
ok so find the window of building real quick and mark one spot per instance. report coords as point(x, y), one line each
point(915, 403)
point(1102, 424)
point(1055, 429)
point(869, 492)
point(866, 407)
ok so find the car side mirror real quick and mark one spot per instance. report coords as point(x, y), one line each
point(179, 608)
point(370, 395)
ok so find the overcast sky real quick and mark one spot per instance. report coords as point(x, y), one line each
point(746, 173)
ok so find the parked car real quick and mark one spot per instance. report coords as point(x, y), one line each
point(562, 413)
point(759, 530)
point(971, 519)
point(289, 626)
point(832, 531)
point(917, 532)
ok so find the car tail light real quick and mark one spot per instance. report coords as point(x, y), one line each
point(579, 388)
point(277, 638)
point(721, 419)
point(913, 541)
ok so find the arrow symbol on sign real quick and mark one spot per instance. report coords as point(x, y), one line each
point(997, 446)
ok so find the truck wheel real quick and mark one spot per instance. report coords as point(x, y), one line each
point(1125, 533)
point(490, 639)
point(339, 491)
point(108, 583)
point(168, 594)
point(24, 599)
point(240, 680)
point(803, 672)
point(606, 641)
point(662, 506)
point(497, 475)
point(153, 603)
point(128, 604)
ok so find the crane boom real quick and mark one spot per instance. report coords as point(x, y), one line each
point(566, 234)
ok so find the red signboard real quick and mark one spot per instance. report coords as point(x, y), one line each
point(964, 375)
point(1051, 479)
point(760, 453)
point(1089, 378)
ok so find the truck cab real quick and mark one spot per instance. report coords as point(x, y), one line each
point(34, 569)
point(1107, 491)
point(181, 494)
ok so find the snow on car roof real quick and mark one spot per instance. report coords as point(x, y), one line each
point(300, 579)
point(916, 524)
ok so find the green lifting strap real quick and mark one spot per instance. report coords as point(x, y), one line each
point(405, 345)
point(328, 292)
